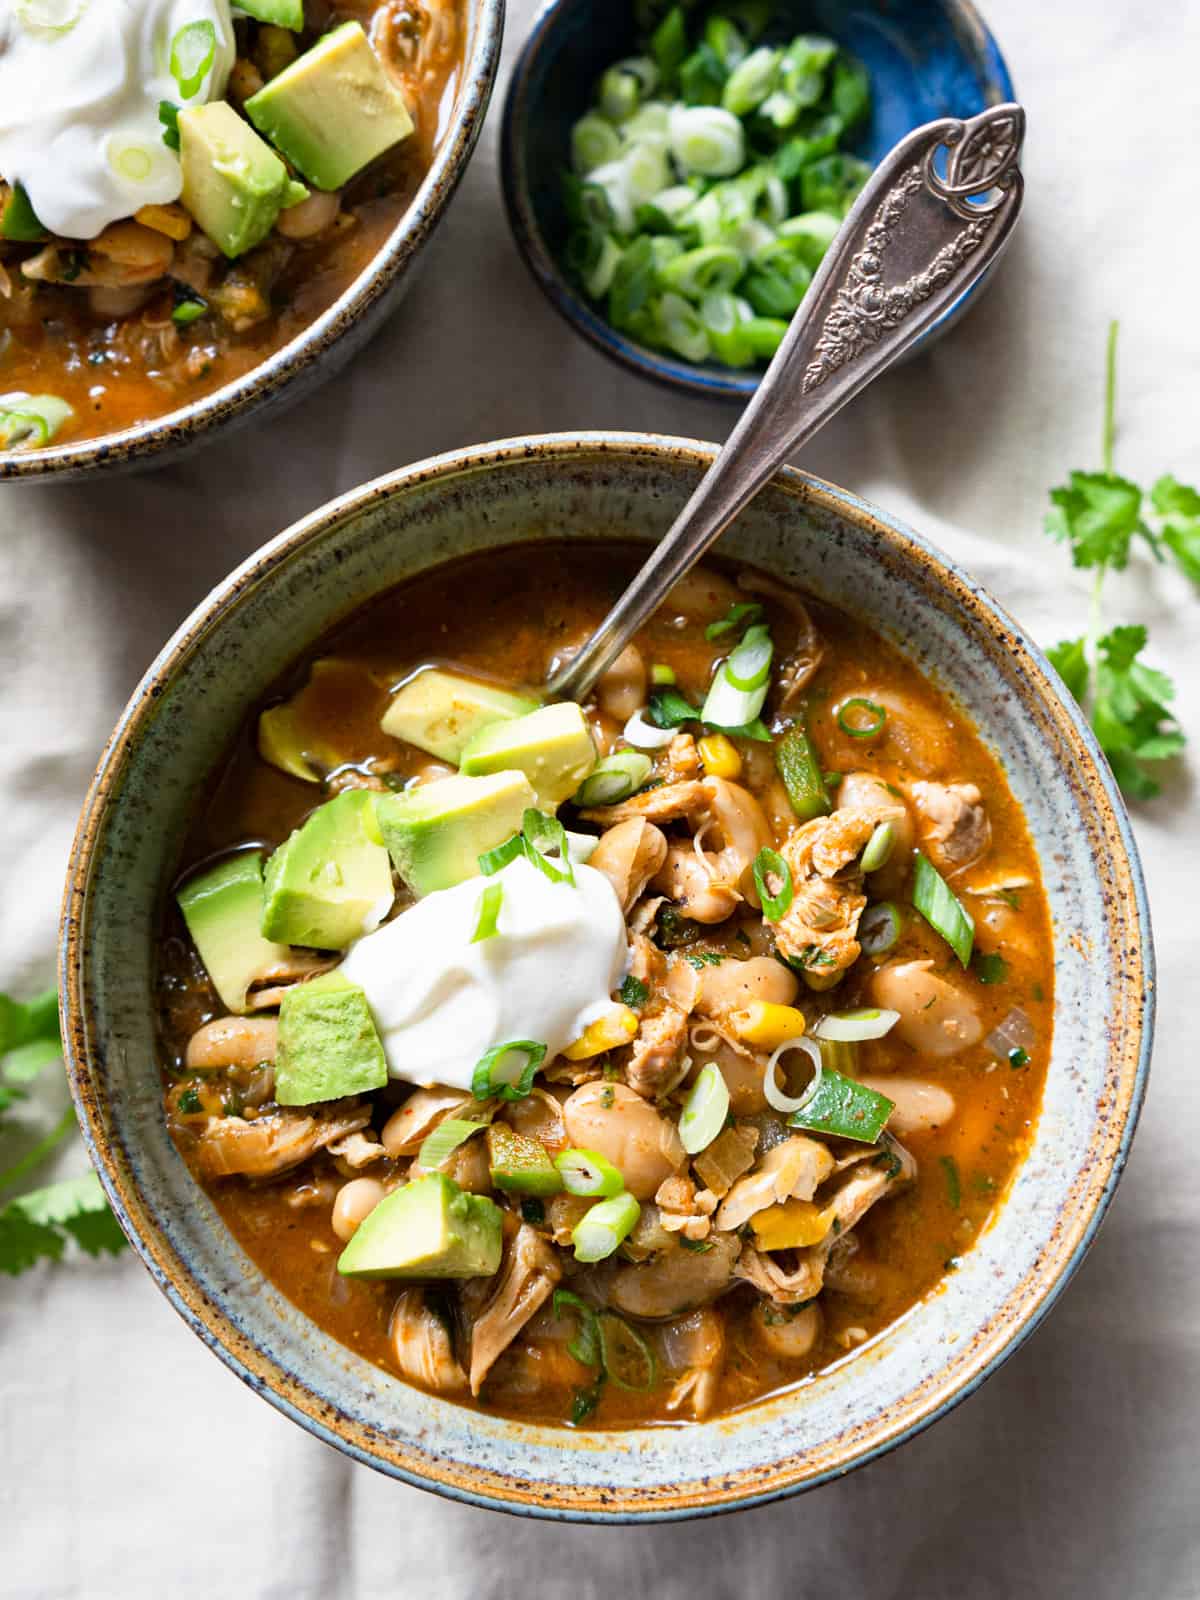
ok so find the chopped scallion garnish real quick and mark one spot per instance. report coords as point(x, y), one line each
point(546, 846)
point(614, 779)
point(491, 861)
point(852, 1026)
point(193, 50)
point(669, 709)
point(750, 664)
point(661, 675)
point(587, 1172)
point(878, 849)
point(487, 921)
point(493, 1077)
point(625, 1355)
point(168, 115)
point(880, 927)
point(601, 1230)
point(445, 1140)
point(769, 866)
point(188, 308)
point(745, 611)
point(942, 909)
point(704, 1110)
point(861, 718)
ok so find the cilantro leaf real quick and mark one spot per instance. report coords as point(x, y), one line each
point(1131, 712)
point(1069, 660)
point(1097, 515)
point(36, 1226)
point(1179, 506)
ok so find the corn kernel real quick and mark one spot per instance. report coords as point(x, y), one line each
point(172, 220)
point(791, 1225)
point(608, 1032)
point(719, 756)
point(767, 1024)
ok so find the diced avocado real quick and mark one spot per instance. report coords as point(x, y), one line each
point(328, 1043)
point(519, 1164)
point(223, 911)
point(437, 832)
point(18, 220)
point(331, 880)
point(333, 110)
point(282, 13)
point(330, 721)
point(552, 747)
point(441, 712)
point(234, 185)
point(426, 1229)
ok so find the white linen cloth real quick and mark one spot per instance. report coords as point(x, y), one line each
point(133, 1464)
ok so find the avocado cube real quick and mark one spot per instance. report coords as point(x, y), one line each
point(223, 910)
point(333, 110)
point(234, 185)
point(426, 1229)
point(519, 1164)
point(552, 747)
point(441, 712)
point(328, 1044)
point(18, 220)
point(330, 881)
point(437, 832)
point(280, 13)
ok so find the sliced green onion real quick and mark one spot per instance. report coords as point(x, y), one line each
point(850, 1027)
point(877, 851)
point(546, 846)
point(585, 1346)
point(942, 909)
point(880, 927)
point(614, 779)
point(193, 50)
point(800, 768)
point(597, 277)
point(188, 309)
point(661, 674)
point(647, 171)
point(445, 1140)
point(749, 84)
point(645, 735)
point(601, 1230)
point(707, 140)
point(168, 115)
point(29, 421)
point(625, 85)
point(750, 664)
point(743, 611)
point(721, 314)
point(704, 1110)
point(582, 846)
point(587, 204)
point(696, 273)
point(678, 328)
point(764, 335)
point(587, 1172)
point(724, 40)
point(861, 718)
point(487, 921)
point(594, 140)
point(50, 18)
point(770, 863)
point(491, 1076)
point(777, 1097)
point(669, 43)
point(626, 1357)
point(632, 282)
point(810, 235)
point(844, 1108)
point(492, 861)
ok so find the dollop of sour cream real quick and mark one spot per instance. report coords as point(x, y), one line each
point(441, 1002)
point(81, 82)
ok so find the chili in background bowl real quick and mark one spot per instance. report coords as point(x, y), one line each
point(334, 335)
point(179, 725)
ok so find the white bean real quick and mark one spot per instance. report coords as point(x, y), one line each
point(935, 1017)
point(354, 1203)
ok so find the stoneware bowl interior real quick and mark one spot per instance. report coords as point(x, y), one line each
point(181, 721)
point(327, 344)
point(927, 59)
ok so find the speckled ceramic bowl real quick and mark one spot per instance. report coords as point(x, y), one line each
point(927, 59)
point(327, 344)
point(179, 724)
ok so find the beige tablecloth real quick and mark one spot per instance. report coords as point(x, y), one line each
point(133, 1463)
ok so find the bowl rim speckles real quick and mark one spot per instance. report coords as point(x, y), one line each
point(318, 350)
point(197, 692)
point(661, 366)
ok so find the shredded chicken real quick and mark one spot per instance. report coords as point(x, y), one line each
point(794, 1169)
point(658, 1055)
point(673, 802)
point(683, 1210)
point(629, 854)
point(695, 1346)
point(422, 1345)
point(954, 825)
point(528, 1274)
point(272, 1143)
point(357, 1150)
point(676, 1280)
point(682, 759)
point(818, 932)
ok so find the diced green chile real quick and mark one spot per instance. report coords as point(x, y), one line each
point(845, 1109)
point(800, 769)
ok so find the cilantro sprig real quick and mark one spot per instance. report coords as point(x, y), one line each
point(1099, 516)
point(38, 1224)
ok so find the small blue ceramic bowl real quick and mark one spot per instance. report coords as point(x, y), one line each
point(927, 59)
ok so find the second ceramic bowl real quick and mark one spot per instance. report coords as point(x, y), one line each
point(927, 59)
point(181, 722)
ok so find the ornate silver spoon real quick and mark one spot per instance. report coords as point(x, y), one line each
point(920, 234)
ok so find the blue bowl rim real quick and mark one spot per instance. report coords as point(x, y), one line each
point(673, 372)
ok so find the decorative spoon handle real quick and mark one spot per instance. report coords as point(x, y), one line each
point(920, 234)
